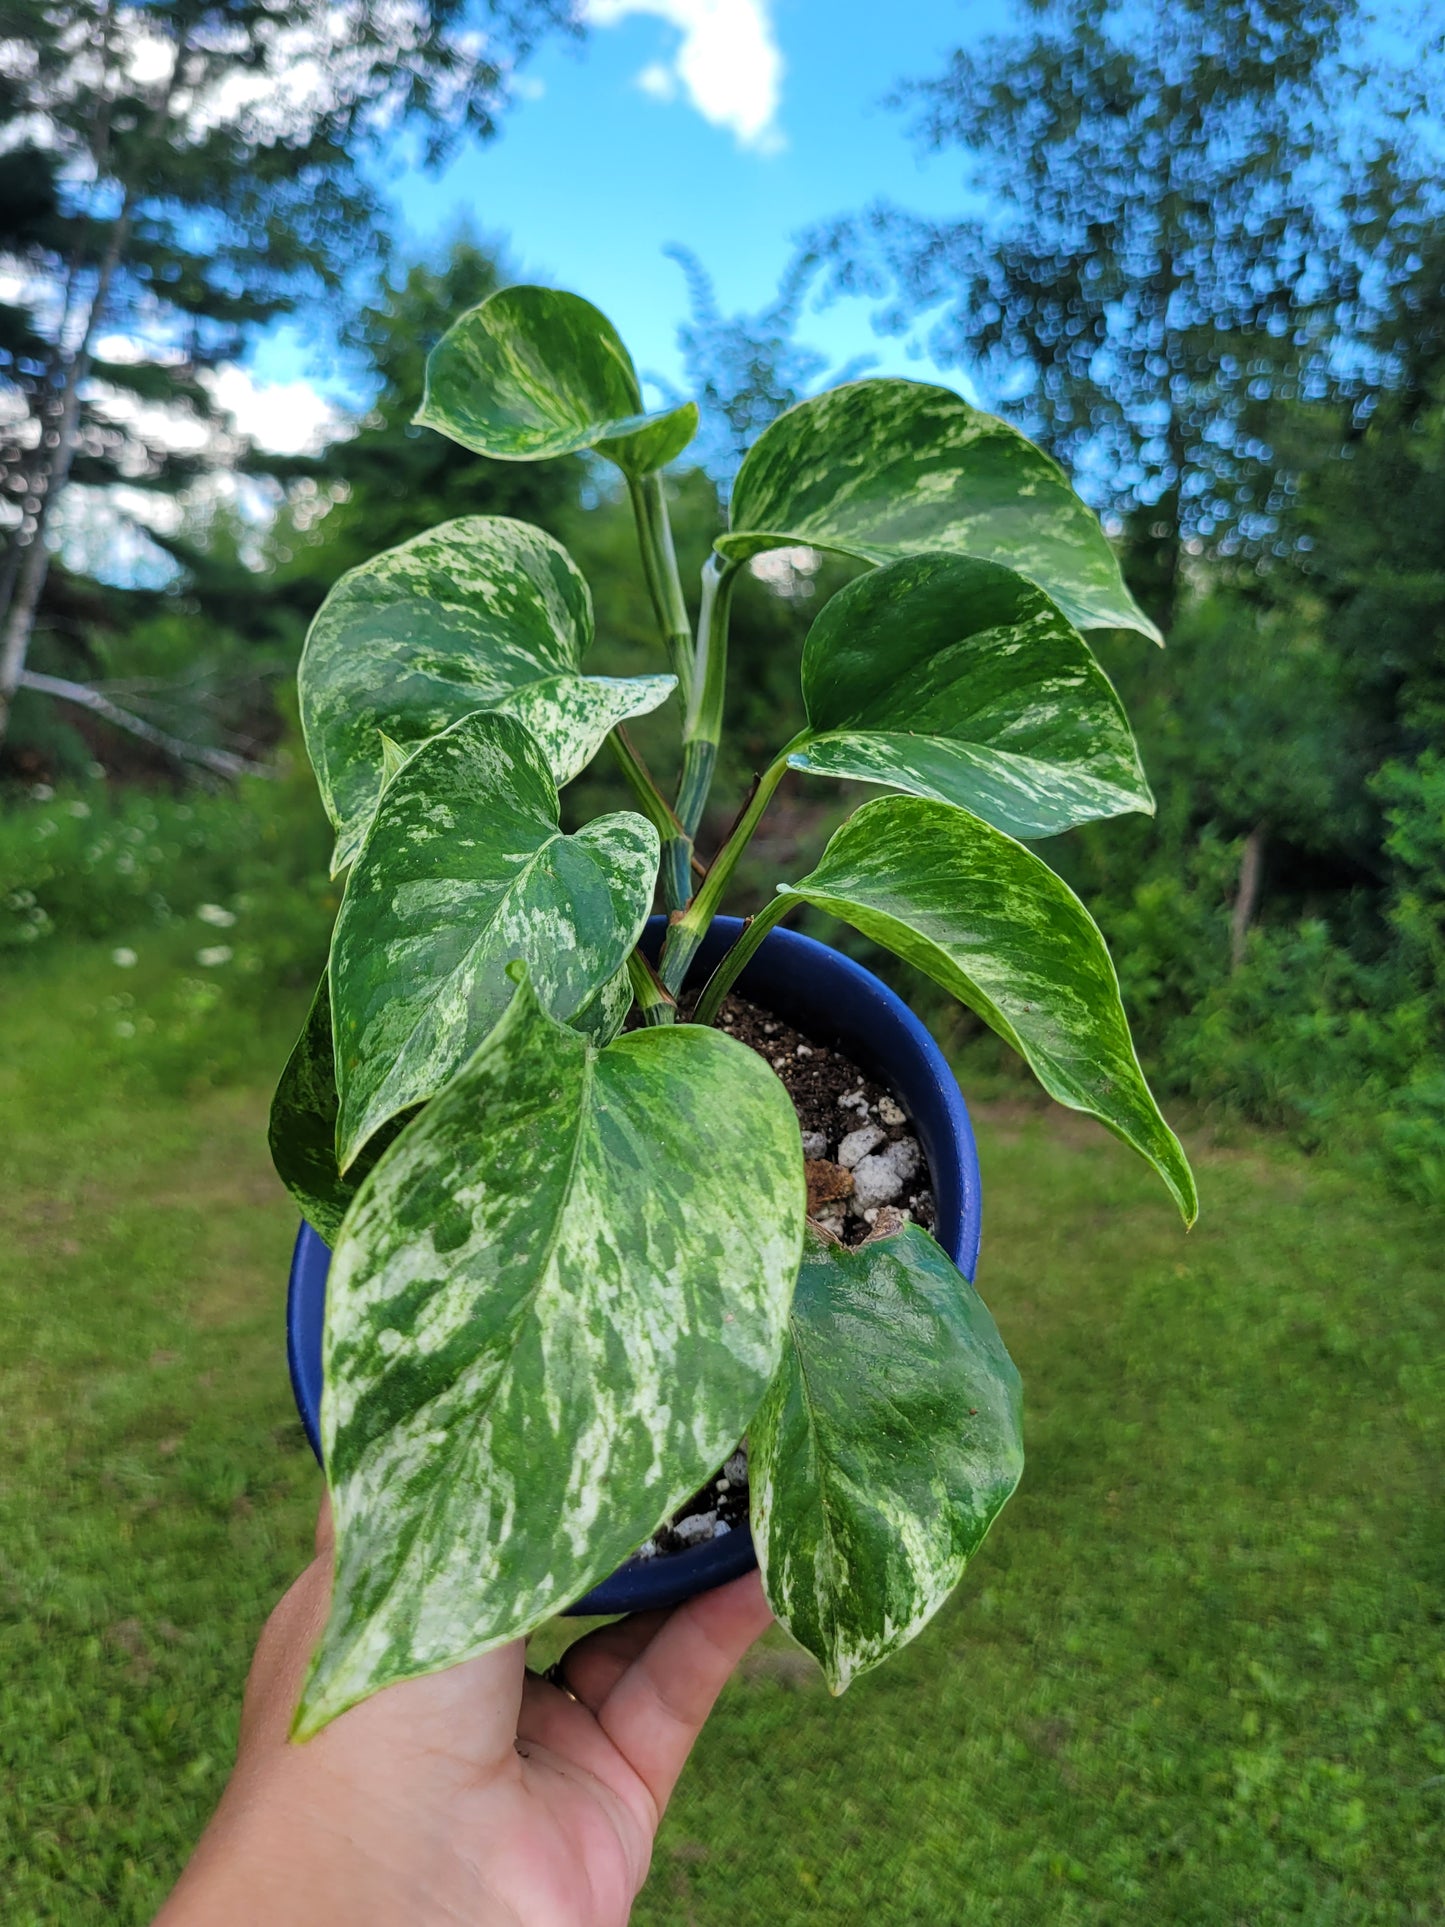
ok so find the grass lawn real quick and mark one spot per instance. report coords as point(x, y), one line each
point(1196, 1674)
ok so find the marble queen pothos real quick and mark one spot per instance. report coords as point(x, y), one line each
point(546, 1304)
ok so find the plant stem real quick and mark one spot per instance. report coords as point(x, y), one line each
point(655, 806)
point(653, 1001)
point(688, 928)
point(702, 731)
point(659, 568)
point(679, 865)
point(733, 962)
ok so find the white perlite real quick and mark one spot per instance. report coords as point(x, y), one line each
point(858, 1144)
point(696, 1527)
point(815, 1144)
point(880, 1179)
point(890, 1112)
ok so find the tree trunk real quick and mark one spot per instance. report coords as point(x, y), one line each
point(31, 562)
point(1246, 902)
point(34, 555)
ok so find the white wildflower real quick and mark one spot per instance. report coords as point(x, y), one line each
point(217, 954)
point(125, 958)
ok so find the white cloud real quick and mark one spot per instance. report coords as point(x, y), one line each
point(728, 62)
point(282, 417)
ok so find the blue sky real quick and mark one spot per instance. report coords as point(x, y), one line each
point(727, 125)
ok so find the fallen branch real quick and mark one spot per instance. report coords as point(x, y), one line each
point(221, 762)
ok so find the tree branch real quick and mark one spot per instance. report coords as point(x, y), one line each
point(221, 762)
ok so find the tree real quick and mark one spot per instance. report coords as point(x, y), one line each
point(391, 478)
point(194, 169)
point(1200, 209)
point(1374, 511)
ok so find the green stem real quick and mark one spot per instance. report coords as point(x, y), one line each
point(702, 731)
point(652, 1000)
point(659, 568)
point(654, 805)
point(735, 961)
point(678, 867)
point(678, 861)
point(698, 762)
point(690, 926)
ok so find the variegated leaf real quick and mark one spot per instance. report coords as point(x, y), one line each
point(464, 870)
point(885, 468)
point(885, 1448)
point(553, 1310)
point(303, 1127)
point(601, 1018)
point(985, 918)
point(481, 613)
point(956, 678)
point(534, 372)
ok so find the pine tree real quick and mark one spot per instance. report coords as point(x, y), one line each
point(193, 169)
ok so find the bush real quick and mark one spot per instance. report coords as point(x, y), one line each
point(238, 867)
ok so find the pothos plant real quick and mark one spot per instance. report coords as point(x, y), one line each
point(571, 1264)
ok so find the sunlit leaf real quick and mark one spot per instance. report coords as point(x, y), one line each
point(466, 869)
point(985, 918)
point(885, 468)
point(481, 613)
point(887, 1444)
point(533, 372)
point(548, 1320)
point(956, 678)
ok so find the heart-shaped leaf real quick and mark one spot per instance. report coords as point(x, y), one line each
point(303, 1127)
point(553, 1311)
point(985, 918)
point(956, 678)
point(464, 870)
point(535, 372)
point(481, 613)
point(885, 1448)
point(885, 468)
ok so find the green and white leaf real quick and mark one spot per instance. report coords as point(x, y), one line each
point(886, 468)
point(956, 678)
point(601, 1018)
point(303, 1127)
point(982, 916)
point(548, 1321)
point(886, 1446)
point(465, 870)
point(534, 372)
point(480, 613)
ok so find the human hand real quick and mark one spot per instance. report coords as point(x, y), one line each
point(483, 1794)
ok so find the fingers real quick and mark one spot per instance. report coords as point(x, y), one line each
point(656, 1709)
point(593, 1666)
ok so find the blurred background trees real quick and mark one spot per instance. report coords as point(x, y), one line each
point(179, 175)
point(1201, 257)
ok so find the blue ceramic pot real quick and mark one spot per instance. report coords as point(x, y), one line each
point(828, 996)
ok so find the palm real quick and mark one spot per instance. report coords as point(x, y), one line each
point(567, 1791)
point(482, 1794)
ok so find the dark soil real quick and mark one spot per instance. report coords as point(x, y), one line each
point(817, 1077)
point(832, 1098)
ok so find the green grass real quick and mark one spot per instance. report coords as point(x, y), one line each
point(1196, 1674)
